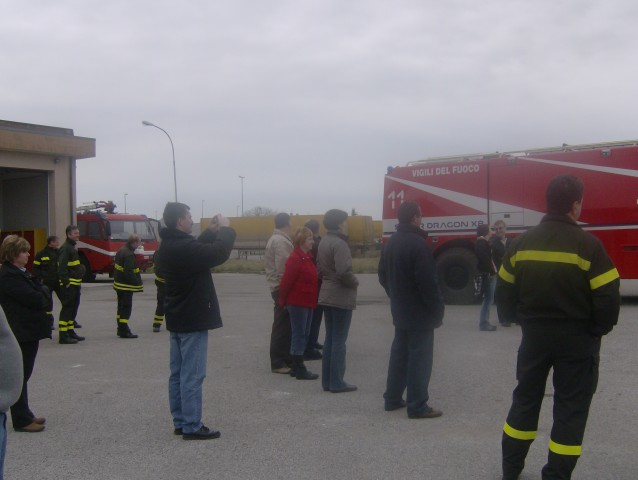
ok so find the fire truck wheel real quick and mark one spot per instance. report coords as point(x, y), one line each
point(457, 268)
point(89, 276)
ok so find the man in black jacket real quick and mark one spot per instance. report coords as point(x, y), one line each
point(127, 280)
point(45, 269)
point(558, 282)
point(191, 309)
point(407, 272)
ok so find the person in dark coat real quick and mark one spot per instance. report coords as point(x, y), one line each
point(191, 309)
point(560, 285)
point(127, 280)
point(499, 245)
point(24, 301)
point(407, 272)
point(45, 269)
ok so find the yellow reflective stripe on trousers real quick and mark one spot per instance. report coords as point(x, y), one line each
point(75, 281)
point(559, 449)
point(551, 257)
point(506, 276)
point(518, 434)
point(127, 287)
point(604, 279)
point(122, 320)
point(73, 263)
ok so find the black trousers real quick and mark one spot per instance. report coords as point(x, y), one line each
point(70, 305)
point(574, 356)
point(280, 335)
point(124, 309)
point(159, 309)
point(21, 414)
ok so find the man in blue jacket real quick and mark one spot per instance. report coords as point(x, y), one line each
point(191, 309)
point(407, 272)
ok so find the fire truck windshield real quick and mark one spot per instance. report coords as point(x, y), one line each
point(121, 229)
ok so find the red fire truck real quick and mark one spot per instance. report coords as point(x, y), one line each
point(103, 232)
point(458, 193)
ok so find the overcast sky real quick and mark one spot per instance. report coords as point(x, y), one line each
point(310, 100)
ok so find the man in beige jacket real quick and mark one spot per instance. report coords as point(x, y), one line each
point(278, 250)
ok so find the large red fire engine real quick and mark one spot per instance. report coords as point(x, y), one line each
point(103, 232)
point(458, 193)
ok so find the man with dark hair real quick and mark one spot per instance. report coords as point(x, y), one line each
point(278, 249)
point(70, 274)
point(487, 270)
point(45, 269)
point(192, 309)
point(560, 285)
point(407, 272)
point(127, 280)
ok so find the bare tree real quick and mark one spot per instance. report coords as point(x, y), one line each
point(260, 212)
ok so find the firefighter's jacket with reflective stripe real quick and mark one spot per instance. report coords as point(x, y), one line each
point(126, 273)
point(558, 271)
point(70, 270)
point(45, 267)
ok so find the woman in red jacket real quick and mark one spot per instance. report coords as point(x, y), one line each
point(298, 293)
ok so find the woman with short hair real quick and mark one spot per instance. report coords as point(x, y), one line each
point(298, 293)
point(24, 302)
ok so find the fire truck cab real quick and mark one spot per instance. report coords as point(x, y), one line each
point(458, 193)
point(103, 232)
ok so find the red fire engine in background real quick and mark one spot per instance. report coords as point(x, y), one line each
point(458, 193)
point(103, 232)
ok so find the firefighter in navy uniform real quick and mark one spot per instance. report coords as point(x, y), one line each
point(160, 282)
point(45, 269)
point(70, 273)
point(561, 286)
point(126, 281)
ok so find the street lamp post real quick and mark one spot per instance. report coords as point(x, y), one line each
point(125, 195)
point(149, 124)
point(242, 194)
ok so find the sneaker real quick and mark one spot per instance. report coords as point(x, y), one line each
point(203, 433)
point(156, 328)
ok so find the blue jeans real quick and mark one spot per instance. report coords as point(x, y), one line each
point(410, 367)
point(188, 369)
point(333, 365)
point(488, 299)
point(3, 441)
point(300, 321)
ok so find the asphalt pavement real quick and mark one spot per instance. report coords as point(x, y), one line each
point(106, 401)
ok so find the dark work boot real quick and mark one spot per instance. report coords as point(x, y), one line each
point(125, 333)
point(74, 335)
point(64, 339)
point(302, 372)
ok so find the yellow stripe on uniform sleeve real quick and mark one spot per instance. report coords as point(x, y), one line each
point(518, 434)
point(551, 257)
point(604, 279)
point(506, 276)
